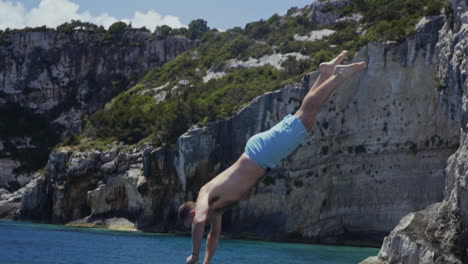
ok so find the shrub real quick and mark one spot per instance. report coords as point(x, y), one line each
point(236, 46)
point(257, 30)
point(328, 8)
point(258, 50)
point(71, 140)
point(179, 31)
point(321, 56)
point(294, 67)
point(433, 9)
point(346, 32)
point(273, 19)
point(292, 10)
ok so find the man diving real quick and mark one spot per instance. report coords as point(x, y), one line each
point(262, 151)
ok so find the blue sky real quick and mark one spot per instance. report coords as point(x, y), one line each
point(219, 13)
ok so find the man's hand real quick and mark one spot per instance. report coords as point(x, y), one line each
point(192, 259)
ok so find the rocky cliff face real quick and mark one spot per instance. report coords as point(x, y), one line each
point(321, 13)
point(72, 186)
point(439, 233)
point(98, 188)
point(54, 80)
point(378, 152)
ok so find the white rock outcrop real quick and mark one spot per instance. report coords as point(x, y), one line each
point(314, 35)
point(274, 60)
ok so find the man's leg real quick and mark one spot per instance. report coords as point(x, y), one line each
point(326, 69)
point(319, 93)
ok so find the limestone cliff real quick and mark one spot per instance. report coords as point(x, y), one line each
point(53, 80)
point(377, 153)
point(439, 233)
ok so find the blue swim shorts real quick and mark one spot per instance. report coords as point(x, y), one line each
point(269, 147)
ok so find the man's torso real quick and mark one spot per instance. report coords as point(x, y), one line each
point(232, 184)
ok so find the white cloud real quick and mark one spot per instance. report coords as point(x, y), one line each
point(11, 15)
point(55, 12)
point(151, 19)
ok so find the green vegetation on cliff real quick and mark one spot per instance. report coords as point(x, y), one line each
point(116, 34)
point(391, 19)
point(169, 99)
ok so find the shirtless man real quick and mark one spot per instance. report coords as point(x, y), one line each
point(262, 151)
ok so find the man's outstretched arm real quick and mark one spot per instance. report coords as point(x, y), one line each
point(198, 228)
point(213, 238)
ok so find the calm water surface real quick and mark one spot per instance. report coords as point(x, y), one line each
point(22, 243)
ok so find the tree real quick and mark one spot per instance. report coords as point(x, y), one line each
point(197, 28)
point(76, 25)
point(179, 31)
point(117, 28)
point(115, 33)
point(164, 30)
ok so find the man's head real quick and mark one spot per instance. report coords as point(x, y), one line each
point(187, 213)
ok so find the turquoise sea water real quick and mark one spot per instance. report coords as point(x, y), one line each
point(22, 243)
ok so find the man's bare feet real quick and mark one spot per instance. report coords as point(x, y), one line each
point(327, 68)
point(346, 71)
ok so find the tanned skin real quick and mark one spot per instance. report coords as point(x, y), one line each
point(236, 182)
